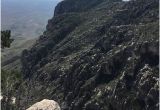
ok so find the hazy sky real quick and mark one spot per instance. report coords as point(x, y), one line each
point(27, 18)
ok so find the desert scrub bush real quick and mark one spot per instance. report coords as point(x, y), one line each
point(10, 82)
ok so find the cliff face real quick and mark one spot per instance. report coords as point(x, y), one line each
point(96, 55)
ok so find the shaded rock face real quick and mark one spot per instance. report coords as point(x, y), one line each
point(45, 105)
point(96, 55)
point(75, 6)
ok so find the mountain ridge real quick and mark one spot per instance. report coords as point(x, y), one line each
point(99, 55)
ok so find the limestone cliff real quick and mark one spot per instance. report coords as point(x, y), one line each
point(96, 55)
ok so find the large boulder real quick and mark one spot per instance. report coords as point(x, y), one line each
point(45, 105)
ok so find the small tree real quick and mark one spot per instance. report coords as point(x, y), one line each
point(6, 38)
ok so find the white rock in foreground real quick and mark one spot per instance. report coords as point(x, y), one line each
point(45, 105)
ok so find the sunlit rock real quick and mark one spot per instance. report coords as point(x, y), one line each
point(45, 105)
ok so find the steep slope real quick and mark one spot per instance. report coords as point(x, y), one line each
point(96, 55)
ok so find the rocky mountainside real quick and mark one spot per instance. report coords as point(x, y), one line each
point(95, 55)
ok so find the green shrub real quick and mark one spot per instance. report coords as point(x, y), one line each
point(6, 38)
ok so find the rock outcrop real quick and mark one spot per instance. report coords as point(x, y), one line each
point(45, 105)
point(96, 55)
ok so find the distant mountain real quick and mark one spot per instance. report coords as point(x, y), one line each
point(96, 55)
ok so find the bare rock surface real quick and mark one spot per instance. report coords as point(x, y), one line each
point(45, 105)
